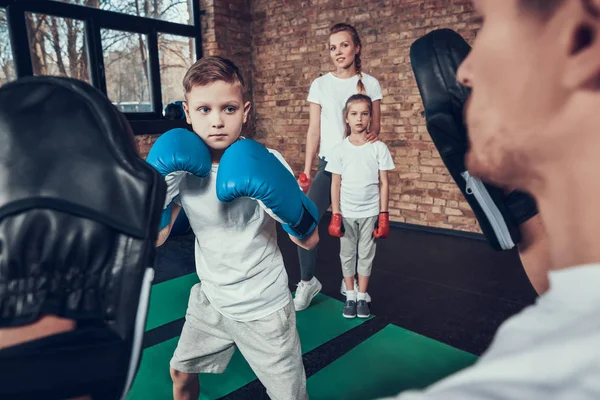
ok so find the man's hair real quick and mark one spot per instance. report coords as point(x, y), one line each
point(542, 8)
point(211, 69)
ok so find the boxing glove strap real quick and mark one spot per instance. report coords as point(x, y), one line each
point(305, 224)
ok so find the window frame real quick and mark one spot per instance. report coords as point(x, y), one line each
point(94, 20)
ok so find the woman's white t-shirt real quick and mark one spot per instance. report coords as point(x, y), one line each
point(331, 93)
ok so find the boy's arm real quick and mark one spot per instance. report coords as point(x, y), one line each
point(336, 184)
point(164, 233)
point(307, 243)
point(248, 169)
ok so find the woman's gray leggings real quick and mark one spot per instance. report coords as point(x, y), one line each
point(320, 194)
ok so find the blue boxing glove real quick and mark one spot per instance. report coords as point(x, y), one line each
point(248, 169)
point(175, 153)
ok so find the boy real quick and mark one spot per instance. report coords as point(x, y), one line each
point(243, 299)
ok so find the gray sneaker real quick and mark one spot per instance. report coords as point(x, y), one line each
point(362, 309)
point(349, 309)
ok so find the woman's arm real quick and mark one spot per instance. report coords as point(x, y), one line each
point(312, 137)
point(375, 126)
point(376, 120)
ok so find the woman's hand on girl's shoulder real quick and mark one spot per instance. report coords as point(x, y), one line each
point(372, 137)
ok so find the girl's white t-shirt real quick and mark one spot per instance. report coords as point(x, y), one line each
point(359, 167)
point(331, 93)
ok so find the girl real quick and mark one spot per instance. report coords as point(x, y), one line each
point(359, 193)
point(327, 96)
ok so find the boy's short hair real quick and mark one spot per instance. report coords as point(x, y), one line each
point(211, 69)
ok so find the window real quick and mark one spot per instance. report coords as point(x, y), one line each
point(58, 46)
point(136, 52)
point(176, 55)
point(127, 70)
point(178, 11)
point(7, 66)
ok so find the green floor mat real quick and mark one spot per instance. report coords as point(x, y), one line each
point(387, 363)
point(318, 324)
point(323, 321)
point(169, 299)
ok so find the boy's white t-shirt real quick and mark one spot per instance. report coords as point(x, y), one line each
point(359, 167)
point(550, 350)
point(237, 256)
point(331, 93)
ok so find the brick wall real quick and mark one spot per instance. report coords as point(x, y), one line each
point(226, 28)
point(290, 50)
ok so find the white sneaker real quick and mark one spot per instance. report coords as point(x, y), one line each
point(343, 289)
point(305, 293)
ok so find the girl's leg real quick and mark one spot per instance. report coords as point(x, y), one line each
point(366, 254)
point(363, 283)
point(348, 244)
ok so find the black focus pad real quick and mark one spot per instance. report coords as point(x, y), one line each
point(72, 186)
point(66, 147)
point(435, 60)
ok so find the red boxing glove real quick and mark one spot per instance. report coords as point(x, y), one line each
point(304, 182)
point(336, 227)
point(382, 226)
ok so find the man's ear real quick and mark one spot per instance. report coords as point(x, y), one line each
point(582, 69)
point(186, 110)
point(247, 107)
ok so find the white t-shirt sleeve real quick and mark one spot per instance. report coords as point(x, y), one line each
point(281, 160)
point(334, 161)
point(314, 92)
point(384, 157)
point(285, 164)
point(375, 90)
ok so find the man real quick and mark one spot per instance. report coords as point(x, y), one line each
point(532, 118)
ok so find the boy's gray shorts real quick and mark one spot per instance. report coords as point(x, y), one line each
point(270, 345)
